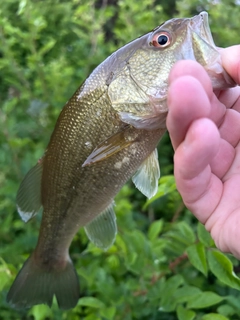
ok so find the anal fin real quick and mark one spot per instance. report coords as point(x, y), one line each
point(147, 176)
point(103, 229)
point(29, 193)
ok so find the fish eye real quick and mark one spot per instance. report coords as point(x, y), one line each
point(161, 40)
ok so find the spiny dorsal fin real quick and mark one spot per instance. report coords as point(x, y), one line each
point(29, 193)
point(147, 176)
point(103, 229)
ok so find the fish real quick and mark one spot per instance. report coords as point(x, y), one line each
point(106, 134)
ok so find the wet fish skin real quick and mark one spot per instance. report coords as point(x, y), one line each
point(104, 134)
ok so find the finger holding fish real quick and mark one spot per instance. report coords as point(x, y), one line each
point(208, 151)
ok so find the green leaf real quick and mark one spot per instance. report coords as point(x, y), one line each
point(186, 293)
point(214, 316)
point(204, 236)
point(234, 302)
point(48, 46)
point(4, 279)
point(197, 257)
point(121, 244)
point(222, 268)
point(108, 313)
point(91, 302)
point(184, 314)
point(5, 274)
point(155, 229)
point(173, 283)
point(226, 310)
point(204, 299)
point(186, 231)
point(168, 289)
point(91, 316)
point(21, 7)
point(41, 312)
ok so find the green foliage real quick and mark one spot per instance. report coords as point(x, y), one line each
point(163, 265)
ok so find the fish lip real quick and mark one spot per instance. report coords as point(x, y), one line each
point(200, 25)
point(220, 78)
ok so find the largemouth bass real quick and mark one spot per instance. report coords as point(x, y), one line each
point(106, 133)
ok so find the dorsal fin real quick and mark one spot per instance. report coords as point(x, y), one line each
point(29, 193)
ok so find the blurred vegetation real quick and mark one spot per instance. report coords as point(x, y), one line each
point(164, 264)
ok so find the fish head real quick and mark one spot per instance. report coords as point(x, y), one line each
point(191, 39)
point(140, 70)
point(150, 58)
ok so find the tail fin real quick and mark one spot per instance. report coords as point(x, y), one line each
point(34, 285)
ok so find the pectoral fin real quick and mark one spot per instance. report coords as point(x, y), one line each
point(147, 176)
point(103, 229)
point(110, 146)
point(29, 193)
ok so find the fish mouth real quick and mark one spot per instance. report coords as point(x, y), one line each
point(207, 53)
point(200, 25)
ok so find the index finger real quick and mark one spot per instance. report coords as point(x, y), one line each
point(189, 96)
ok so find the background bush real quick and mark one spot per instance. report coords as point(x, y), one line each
point(164, 264)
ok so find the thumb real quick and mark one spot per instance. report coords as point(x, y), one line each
point(231, 61)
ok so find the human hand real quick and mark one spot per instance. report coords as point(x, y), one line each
point(205, 132)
